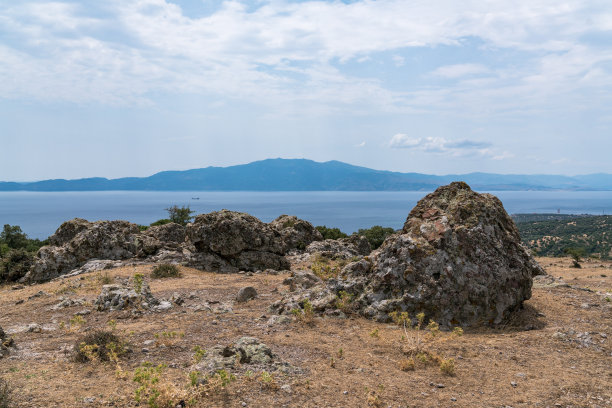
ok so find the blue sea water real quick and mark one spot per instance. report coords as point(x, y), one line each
point(40, 213)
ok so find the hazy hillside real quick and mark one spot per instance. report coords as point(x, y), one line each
point(308, 175)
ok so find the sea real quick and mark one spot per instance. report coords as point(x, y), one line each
point(39, 214)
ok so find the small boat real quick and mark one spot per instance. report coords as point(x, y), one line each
point(195, 198)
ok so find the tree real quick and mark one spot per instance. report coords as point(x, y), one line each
point(13, 237)
point(376, 235)
point(330, 233)
point(180, 215)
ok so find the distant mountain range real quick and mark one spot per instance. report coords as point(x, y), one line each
point(308, 175)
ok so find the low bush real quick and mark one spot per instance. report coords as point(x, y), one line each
point(99, 345)
point(330, 233)
point(376, 235)
point(165, 271)
point(163, 221)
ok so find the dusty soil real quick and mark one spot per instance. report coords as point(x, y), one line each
point(556, 352)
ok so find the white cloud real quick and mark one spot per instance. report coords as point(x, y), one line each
point(362, 144)
point(281, 53)
point(454, 148)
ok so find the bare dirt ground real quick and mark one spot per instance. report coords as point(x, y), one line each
point(557, 352)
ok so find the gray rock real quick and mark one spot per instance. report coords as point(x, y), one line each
point(295, 233)
point(119, 297)
point(458, 259)
point(245, 294)
point(247, 350)
point(300, 280)
point(34, 328)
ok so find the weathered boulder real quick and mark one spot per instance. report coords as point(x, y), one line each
point(245, 294)
point(359, 243)
point(458, 259)
point(80, 241)
point(240, 239)
point(136, 295)
point(301, 280)
point(5, 343)
point(246, 350)
point(295, 233)
point(167, 237)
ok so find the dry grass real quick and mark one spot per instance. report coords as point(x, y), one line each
point(547, 369)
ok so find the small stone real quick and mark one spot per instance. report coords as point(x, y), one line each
point(514, 384)
point(244, 404)
point(34, 328)
point(286, 388)
point(17, 287)
point(83, 312)
point(345, 392)
point(522, 375)
point(163, 306)
point(148, 342)
point(89, 400)
point(245, 294)
point(214, 322)
point(145, 350)
point(439, 385)
point(453, 399)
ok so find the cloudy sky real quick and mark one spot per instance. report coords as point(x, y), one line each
point(128, 88)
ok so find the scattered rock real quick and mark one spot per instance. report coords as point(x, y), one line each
point(119, 297)
point(336, 249)
point(67, 302)
point(245, 294)
point(459, 259)
point(246, 350)
point(34, 328)
point(279, 320)
point(5, 343)
point(301, 280)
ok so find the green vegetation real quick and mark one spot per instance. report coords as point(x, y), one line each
point(179, 215)
point(376, 235)
point(557, 235)
point(16, 252)
point(330, 233)
point(165, 271)
point(163, 221)
point(99, 345)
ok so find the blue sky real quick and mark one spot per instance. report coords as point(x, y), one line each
point(129, 88)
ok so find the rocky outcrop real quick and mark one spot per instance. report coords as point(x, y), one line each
point(240, 239)
point(295, 233)
point(168, 237)
point(136, 296)
point(5, 343)
point(458, 259)
point(78, 241)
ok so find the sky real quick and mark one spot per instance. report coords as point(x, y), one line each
point(128, 88)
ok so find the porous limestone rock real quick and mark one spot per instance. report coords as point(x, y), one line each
point(344, 248)
point(5, 343)
point(301, 280)
point(246, 350)
point(295, 233)
point(458, 259)
point(245, 294)
point(240, 239)
point(120, 297)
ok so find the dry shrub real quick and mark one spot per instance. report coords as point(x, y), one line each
point(165, 271)
point(99, 345)
point(407, 364)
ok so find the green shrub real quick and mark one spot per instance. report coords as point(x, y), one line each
point(99, 345)
point(180, 215)
point(376, 235)
point(165, 271)
point(330, 233)
point(15, 265)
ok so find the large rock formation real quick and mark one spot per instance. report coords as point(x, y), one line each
point(241, 240)
point(458, 259)
point(295, 233)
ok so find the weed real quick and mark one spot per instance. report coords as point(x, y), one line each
point(99, 346)
point(332, 362)
point(447, 366)
point(374, 333)
point(306, 314)
point(5, 394)
point(112, 324)
point(458, 331)
point(104, 279)
point(165, 271)
point(148, 376)
point(268, 381)
point(199, 354)
point(373, 399)
point(407, 364)
point(76, 322)
point(434, 328)
point(344, 301)
point(340, 353)
point(138, 281)
point(169, 338)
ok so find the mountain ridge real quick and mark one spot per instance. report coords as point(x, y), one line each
point(308, 175)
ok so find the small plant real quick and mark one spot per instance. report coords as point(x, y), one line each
point(138, 282)
point(99, 346)
point(112, 324)
point(375, 333)
point(165, 271)
point(340, 353)
point(105, 279)
point(268, 381)
point(344, 301)
point(169, 338)
point(458, 331)
point(148, 376)
point(407, 364)
point(447, 366)
point(332, 362)
point(76, 322)
point(194, 378)
point(5, 394)
point(306, 314)
point(434, 328)
point(199, 354)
